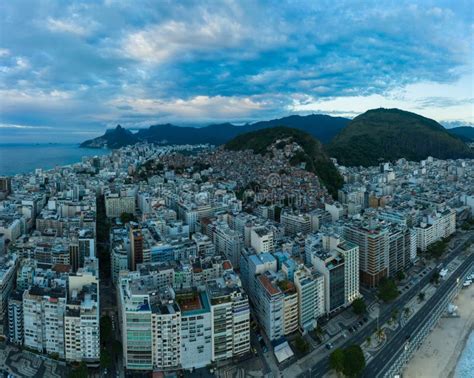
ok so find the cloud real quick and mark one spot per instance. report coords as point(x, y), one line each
point(75, 24)
point(203, 108)
point(24, 127)
point(85, 66)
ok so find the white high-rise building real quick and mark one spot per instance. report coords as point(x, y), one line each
point(166, 331)
point(269, 306)
point(435, 227)
point(230, 320)
point(350, 252)
point(261, 239)
point(306, 288)
point(43, 319)
point(116, 205)
point(82, 318)
point(185, 329)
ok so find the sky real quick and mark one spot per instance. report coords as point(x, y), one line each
point(69, 70)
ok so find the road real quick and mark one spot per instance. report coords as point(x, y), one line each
point(395, 344)
point(322, 367)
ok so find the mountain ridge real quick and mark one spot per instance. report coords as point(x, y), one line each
point(321, 126)
point(466, 133)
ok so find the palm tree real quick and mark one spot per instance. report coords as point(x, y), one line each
point(369, 339)
point(406, 311)
point(380, 333)
point(421, 297)
point(394, 315)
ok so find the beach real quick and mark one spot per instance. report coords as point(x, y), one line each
point(441, 350)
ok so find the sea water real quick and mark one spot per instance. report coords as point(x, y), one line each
point(465, 366)
point(26, 157)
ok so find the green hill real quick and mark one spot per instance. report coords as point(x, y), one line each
point(313, 153)
point(466, 133)
point(390, 134)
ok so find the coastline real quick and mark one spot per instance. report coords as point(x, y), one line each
point(24, 158)
point(439, 354)
point(454, 365)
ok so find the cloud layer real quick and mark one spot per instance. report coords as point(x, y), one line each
point(77, 68)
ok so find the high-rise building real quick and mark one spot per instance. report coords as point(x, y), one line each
point(373, 240)
point(136, 247)
point(182, 328)
point(350, 252)
point(295, 223)
point(306, 289)
point(230, 314)
point(8, 267)
point(434, 227)
point(43, 319)
point(270, 307)
point(116, 205)
point(82, 317)
point(332, 266)
point(15, 318)
point(5, 187)
point(261, 239)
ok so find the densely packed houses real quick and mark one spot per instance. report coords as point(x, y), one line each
point(201, 237)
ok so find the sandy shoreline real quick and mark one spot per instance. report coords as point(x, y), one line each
point(440, 352)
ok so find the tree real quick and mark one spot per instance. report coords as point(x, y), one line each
point(394, 314)
point(301, 345)
point(421, 297)
point(336, 360)
point(406, 311)
point(319, 332)
point(400, 275)
point(369, 340)
point(387, 290)
point(354, 361)
point(437, 249)
point(79, 371)
point(380, 333)
point(127, 217)
point(359, 307)
point(435, 278)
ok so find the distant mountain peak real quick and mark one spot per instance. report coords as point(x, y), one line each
point(322, 127)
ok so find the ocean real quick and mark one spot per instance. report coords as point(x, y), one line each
point(465, 366)
point(26, 157)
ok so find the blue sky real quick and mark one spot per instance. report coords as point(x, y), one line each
point(69, 70)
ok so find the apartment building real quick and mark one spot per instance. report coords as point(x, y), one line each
point(261, 239)
point(116, 204)
point(372, 237)
point(15, 318)
point(269, 306)
point(295, 223)
point(43, 319)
